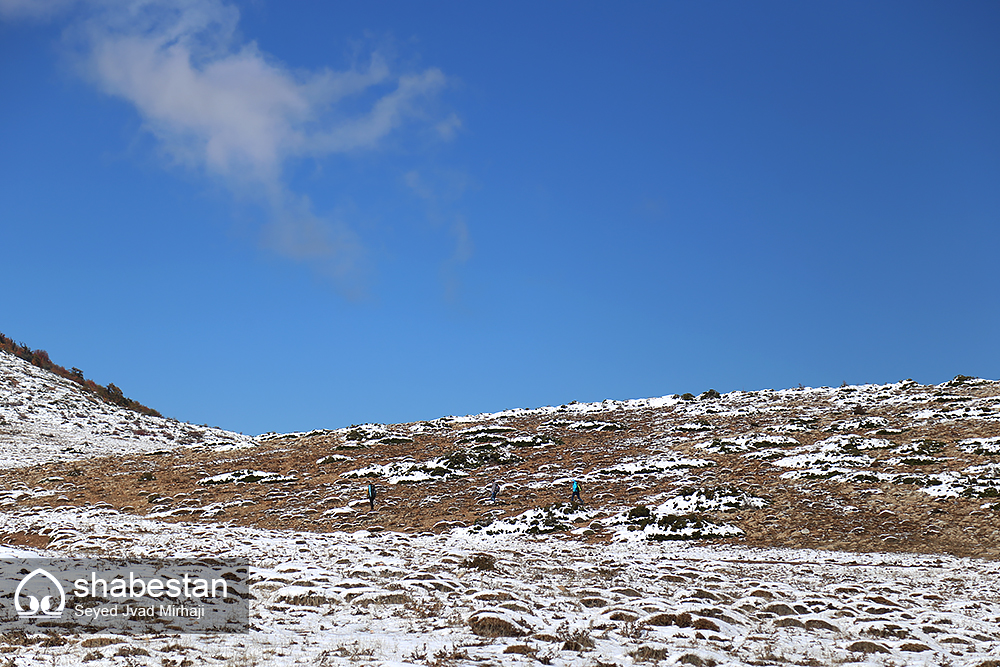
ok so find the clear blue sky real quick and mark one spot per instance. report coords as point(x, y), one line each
point(287, 216)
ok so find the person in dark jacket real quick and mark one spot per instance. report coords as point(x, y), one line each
point(494, 490)
point(371, 496)
point(576, 491)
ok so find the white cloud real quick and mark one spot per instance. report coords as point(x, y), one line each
point(330, 247)
point(438, 194)
point(449, 127)
point(229, 108)
point(223, 107)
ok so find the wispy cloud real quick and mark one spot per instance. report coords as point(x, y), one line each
point(439, 195)
point(221, 106)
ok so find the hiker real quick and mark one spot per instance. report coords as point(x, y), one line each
point(494, 490)
point(576, 491)
point(371, 496)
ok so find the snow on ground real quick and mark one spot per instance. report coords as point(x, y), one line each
point(463, 598)
point(521, 586)
point(45, 418)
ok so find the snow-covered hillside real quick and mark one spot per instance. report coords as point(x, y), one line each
point(45, 418)
point(385, 598)
point(809, 526)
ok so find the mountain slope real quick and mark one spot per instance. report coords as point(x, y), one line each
point(46, 418)
point(900, 467)
point(678, 554)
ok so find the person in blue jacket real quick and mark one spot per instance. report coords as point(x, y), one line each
point(576, 491)
point(371, 496)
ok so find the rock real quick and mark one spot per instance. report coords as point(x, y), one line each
point(820, 624)
point(522, 649)
point(913, 647)
point(704, 595)
point(879, 611)
point(954, 640)
point(867, 647)
point(381, 597)
point(573, 646)
point(780, 609)
point(591, 603)
point(705, 624)
point(682, 620)
point(497, 623)
point(647, 653)
point(696, 660)
point(307, 597)
point(618, 614)
point(882, 630)
point(789, 623)
point(878, 599)
point(493, 595)
point(627, 592)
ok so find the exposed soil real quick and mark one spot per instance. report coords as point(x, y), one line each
point(841, 512)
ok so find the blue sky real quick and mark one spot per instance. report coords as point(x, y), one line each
point(287, 216)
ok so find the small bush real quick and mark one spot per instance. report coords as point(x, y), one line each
point(649, 654)
point(480, 562)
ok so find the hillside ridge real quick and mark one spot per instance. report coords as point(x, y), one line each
point(899, 467)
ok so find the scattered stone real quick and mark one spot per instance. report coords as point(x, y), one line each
point(97, 642)
point(626, 615)
point(497, 623)
point(500, 596)
point(308, 597)
point(867, 647)
point(682, 620)
point(594, 602)
point(954, 640)
point(913, 647)
point(820, 624)
point(780, 609)
point(381, 597)
point(705, 624)
point(522, 649)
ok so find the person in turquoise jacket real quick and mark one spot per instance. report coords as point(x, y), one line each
point(371, 496)
point(576, 491)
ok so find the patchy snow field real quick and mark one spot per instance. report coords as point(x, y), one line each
point(462, 599)
point(718, 530)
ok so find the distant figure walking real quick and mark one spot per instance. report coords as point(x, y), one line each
point(371, 496)
point(494, 490)
point(576, 491)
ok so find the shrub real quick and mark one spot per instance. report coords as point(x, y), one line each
point(40, 358)
point(480, 562)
